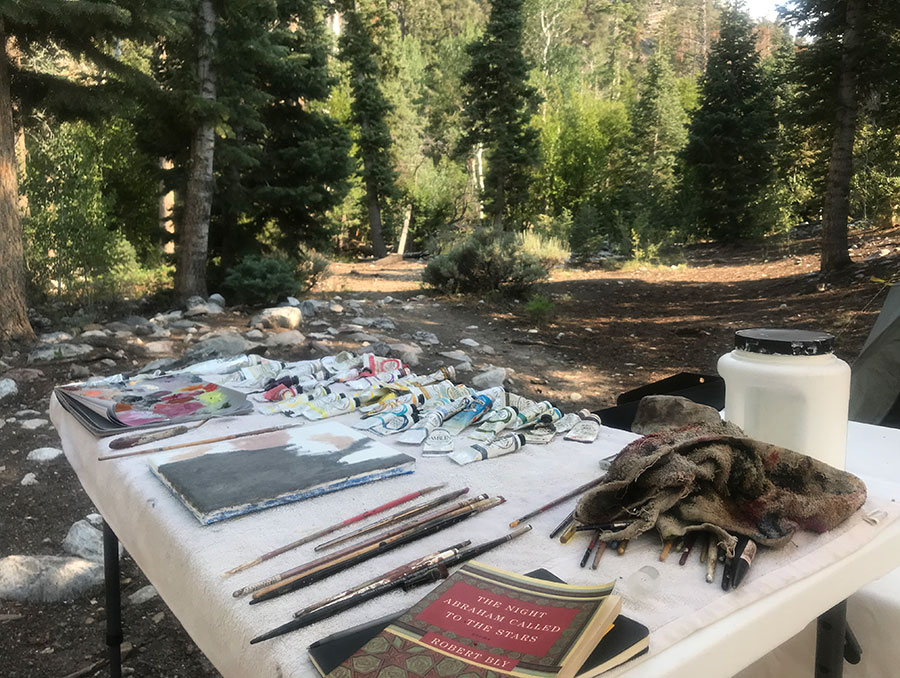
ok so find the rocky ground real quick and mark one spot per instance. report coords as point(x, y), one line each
point(602, 331)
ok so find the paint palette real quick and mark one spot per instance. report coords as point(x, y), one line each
point(241, 476)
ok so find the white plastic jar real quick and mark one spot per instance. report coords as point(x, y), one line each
point(786, 387)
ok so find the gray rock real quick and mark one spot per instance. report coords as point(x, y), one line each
point(286, 317)
point(135, 321)
point(44, 454)
point(464, 366)
point(312, 307)
point(24, 375)
point(364, 336)
point(286, 339)
point(94, 519)
point(471, 343)
point(168, 317)
point(184, 324)
point(194, 301)
point(118, 326)
point(455, 355)
point(208, 308)
point(79, 372)
point(55, 337)
point(8, 388)
point(489, 378)
point(217, 299)
point(162, 364)
point(28, 479)
point(143, 330)
point(108, 362)
point(27, 413)
point(408, 353)
point(293, 301)
point(220, 345)
point(47, 579)
point(93, 334)
point(85, 541)
point(31, 424)
point(336, 308)
point(153, 349)
point(58, 352)
point(487, 350)
point(255, 335)
point(161, 333)
point(143, 595)
point(387, 300)
point(426, 337)
point(379, 348)
point(383, 324)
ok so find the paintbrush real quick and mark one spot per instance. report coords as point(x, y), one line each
point(433, 526)
point(332, 528)
point(124, 442)
point(395, 518)
point(349, 550)
point(208, 441)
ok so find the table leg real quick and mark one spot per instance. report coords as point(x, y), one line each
point(113, 600)
point(831, 637)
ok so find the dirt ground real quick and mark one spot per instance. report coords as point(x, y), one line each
point(608, 331)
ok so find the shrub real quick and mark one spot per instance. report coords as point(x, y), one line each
point(547, 249)
point(258, 279)
point(487, 261)
point(539, 309)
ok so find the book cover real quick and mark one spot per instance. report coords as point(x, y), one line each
point(482, 621)
point(258, 472)
point(137, 403)
point(624, 641)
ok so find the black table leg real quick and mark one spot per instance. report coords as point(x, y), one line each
point(113, 600)
point(831, 637)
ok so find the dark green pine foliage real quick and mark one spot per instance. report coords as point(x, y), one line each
point(729, 151)
point(282, 162)
point(499, 106)
point(368, 44)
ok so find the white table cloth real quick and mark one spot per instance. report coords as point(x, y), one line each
point(692, 623)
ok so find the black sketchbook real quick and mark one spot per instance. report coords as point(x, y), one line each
point(625, 640)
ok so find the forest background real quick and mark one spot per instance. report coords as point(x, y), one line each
point(173, 146)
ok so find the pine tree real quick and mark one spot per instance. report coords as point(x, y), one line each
point(499, 106)
point(729, 151)
point(367, 45)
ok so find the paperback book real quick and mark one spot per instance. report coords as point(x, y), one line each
point(483, 621)
point(113, 407)
point(626, 640)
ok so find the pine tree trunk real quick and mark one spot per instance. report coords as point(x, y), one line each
point(190, 276)
point(375, 219)
point(836, 206)
point(14, 323)
point(407, 218)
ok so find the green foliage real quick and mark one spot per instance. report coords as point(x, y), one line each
point(486, 261)
point(540, 244)
point(729, 154)
point(259, 279)
point(539, 309)
point(499, 107)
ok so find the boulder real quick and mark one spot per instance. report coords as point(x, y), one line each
point(408, 353)
point(44, 454)
point(287, 317)
point(220, 346)
point(153, 349)
point(24, 375)
point(489, 378)
point(203, 308)
point(45, 353)
point(288, 338)
point(194, 301)
point(85, 541)
point(255, 335)
point(312, 307)
point(217, 299)
point(47, 579)
point(55, 337)
point(424, 337)
point(8, 388)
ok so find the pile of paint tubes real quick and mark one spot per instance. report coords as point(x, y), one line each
point(445, 419)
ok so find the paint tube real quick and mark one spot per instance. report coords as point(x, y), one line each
point(442, 389)
point(494, 422)
point(386, 404)
point(396, 409)
point(339, 363)
point(308, 382)
point(445, 373)
point(517, 401)
point(497, 447)
point(396, 422)
point(497, 394)
point(293, 406)
point(439, 443)
point(550, 418)
point(566, 423)
point(373, 394)
point(474, 411)
point(432, 419)
point(377, 364)
point(224, 365)
point(539, 435)
point(327, 407)
point(303, 368)
point(380, 379)
point(280, 392)
point(531, 414)
point(586, 430)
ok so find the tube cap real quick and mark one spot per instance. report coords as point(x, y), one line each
point(784, 342)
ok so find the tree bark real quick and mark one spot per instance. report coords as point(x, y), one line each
point(193, 240)
point(375, 219)
point(14, 323)
point(836, 207)
point(407, 218)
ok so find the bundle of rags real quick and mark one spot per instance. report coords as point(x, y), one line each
point(692, 472)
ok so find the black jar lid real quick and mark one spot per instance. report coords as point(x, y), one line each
point(783, 342)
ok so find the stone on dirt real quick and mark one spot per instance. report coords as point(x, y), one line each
point(24, 375)
point(217, 299)
point(8, 388)
point(31, 424)
point(489, 378)
point(47, 579)
point(471, 343)
point(424, 337)
point(58, 352)
point(79, 372)
point(86, 541)
point(457, 355)
point(220, 346)
point(44, 454)
point(408, 353)
point(287, 317)
point(286, 339)
point(55, 337)
point(143, 595)
point(157, 348)
point(28, 480)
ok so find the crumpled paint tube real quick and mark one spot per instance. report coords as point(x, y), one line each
point(566, 423)
point(398, 409)
point(432, 419)
point(494, 422)
point(476, 409)
point(439, 443)
point(587, 430)
point(531, 414)
point(539, 435)
point(293, 406)
point(497, 447)
point(326, 407)
point(396, 422)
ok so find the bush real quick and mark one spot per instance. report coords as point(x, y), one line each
point(259, 279)
point(486, 261)
point(539, 309)
point(547, 249)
